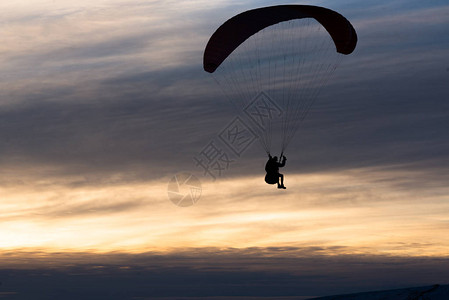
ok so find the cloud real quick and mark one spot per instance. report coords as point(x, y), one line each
point(101, 103)
point(93, 127)
point(213, 272)
point(112, 88)
point(357, 209)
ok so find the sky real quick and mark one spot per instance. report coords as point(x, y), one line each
point(104, 103)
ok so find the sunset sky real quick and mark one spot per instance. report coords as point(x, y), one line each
point(102, 102)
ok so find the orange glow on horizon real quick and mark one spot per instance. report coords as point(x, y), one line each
point(350, 209)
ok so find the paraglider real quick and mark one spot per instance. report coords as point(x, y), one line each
point(272, 168)
point(272, 62)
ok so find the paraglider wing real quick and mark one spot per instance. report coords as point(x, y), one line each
point(239, 28)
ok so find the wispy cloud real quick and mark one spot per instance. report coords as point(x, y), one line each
point(357, 209)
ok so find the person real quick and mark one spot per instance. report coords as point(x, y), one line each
point(272, 168)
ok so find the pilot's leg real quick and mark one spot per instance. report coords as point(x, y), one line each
point(281, 186)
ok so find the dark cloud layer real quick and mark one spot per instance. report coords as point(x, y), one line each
point(254, 272)
point(387, 106)
point(390, 110)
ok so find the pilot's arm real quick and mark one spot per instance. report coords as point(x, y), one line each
point(283, 162)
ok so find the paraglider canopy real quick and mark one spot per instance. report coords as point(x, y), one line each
point(240, 27)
